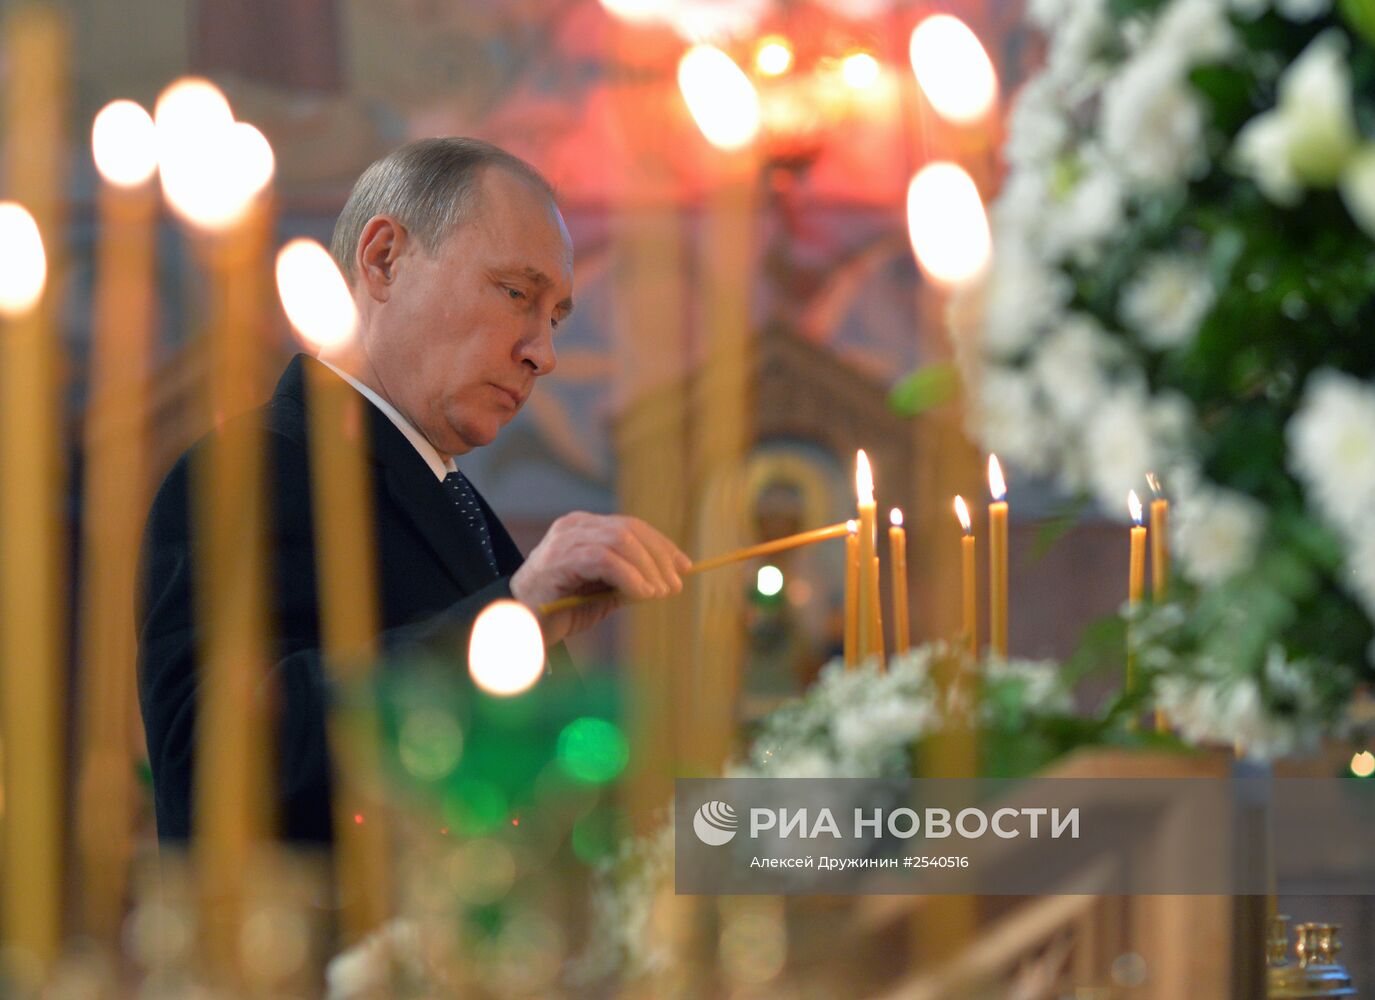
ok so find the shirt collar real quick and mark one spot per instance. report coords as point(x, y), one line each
point(418, 441)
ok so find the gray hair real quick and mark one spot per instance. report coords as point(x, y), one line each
point(429, 186)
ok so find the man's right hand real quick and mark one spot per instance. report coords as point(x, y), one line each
point(586, 553)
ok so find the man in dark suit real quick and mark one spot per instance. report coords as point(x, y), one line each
point(460, 267)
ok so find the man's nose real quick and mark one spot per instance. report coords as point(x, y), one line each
point(537, 352)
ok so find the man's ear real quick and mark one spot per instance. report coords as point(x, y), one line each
point(379, 247)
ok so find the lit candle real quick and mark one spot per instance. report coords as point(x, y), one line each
point(897, 550)
point(320, 308)
point(852, 594)
point(870, 617)
point(997, 558)
point(116, 475)
point(1136, 573)
point(30, 655)
point(1160, 541)
point(968, 578)
point(214, 172)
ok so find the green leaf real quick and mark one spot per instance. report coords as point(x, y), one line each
point(924, 389)
point(1360, 14)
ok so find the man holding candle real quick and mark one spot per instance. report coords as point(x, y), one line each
point(460, 267)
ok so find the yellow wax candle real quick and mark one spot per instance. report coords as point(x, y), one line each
point(32, 587)
point(897, 550)
point(997, 558)
point(1136, 573)
point(852, 595)
point(870, 621)
point(968, 579)
point(116, 500)
point(318, 304)
point(1160, 564)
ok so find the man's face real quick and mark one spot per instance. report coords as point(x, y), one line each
point(468, 327)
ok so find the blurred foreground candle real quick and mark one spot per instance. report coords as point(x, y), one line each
point(947, 224)
point(116, 467)
point(953, 69)
point(997, 558)
point(968, 579)
point(852, 594)
point(30, 658)
point(320, 307)
point(720, 97)
point(1160, 541)
point(214, 173)
point(870, 617)
point(1136, 573)
point(897, 550)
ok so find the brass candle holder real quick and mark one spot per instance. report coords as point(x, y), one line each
point(1315, 973)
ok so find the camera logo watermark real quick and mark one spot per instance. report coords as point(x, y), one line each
point(715, 823)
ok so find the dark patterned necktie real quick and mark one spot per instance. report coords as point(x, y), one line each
point(465, 499)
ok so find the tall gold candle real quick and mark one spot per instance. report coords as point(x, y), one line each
point(214, 172)
point(1160, 542)
point(1136, 573)
point(870, 616)
point(115, 491)
point(852, 595)
point(897, 550)
point(318, 303)
point(32, 571)
point(968, 579)
point(997, 558)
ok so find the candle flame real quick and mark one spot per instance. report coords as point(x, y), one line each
point(947, 224)
point(23, 263)
point(1134, 505)
point(124, 144)
point(1154, 484)
point(864, 479)
point(952, 68)
point(860, 70)
point(506, 651)
point(962, 512)
point(895, 518)
point(723, 102)
point(852, 526)
point(314, 295)
point(774, 56)
point(997, 485)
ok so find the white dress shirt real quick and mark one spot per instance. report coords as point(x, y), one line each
point(418, 441)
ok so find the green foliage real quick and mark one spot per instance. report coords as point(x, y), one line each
point(925, 389)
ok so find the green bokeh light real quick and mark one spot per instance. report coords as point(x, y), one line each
point(592, 750)
point(473, 806)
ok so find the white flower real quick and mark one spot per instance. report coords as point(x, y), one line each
point(868, 733)
point(1198, 30)
point(1077, 39)
point(1332, 447)
point(1315, 100)
point(1037, 126)
point(368, 967)
point(1250, 9)
point(1091, 212)
point(1071, 367)
point(1215, 532)
point(1118, 448)
point(1262, 153)
point(1359, 574)
point(1303, 10)
point(1167, 301)
point(1023, 296)
point(1010, 420)
point(802, 764)
point(1358, 188)
point(1151, 121)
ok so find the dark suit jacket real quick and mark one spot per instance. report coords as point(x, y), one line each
point(431, 578)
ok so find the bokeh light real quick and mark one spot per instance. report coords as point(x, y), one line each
point(480, 871)
point(1363, 764)
point(124, 144)
point(314, 295)
point(953, 68)
point(769, 580)
point(947, 224)
point(860, 70)
point(23, 263)
point(506, 651)
point(473, 806)
point(592, 750)
point(430, 743)
point(720, 97)
point(774, 56)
